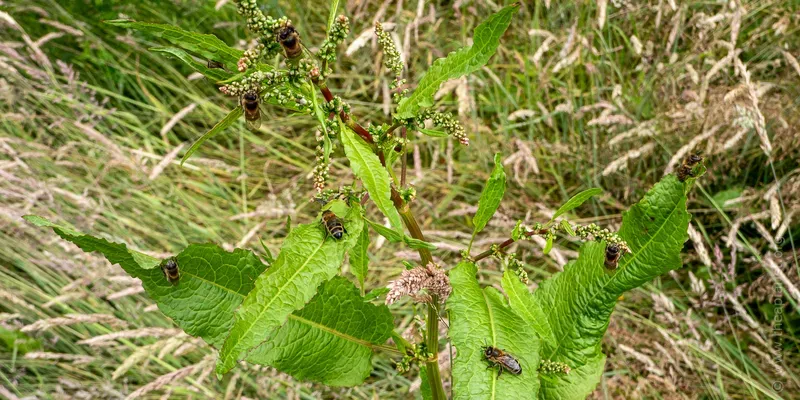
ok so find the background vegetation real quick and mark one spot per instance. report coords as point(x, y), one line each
point(580, 94)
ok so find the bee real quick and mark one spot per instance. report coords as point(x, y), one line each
point(612, 256)
point(499, 358)
point(333, 225)
point(170, 269)
point(686, 170)
point(289, 38)
point(252, 111)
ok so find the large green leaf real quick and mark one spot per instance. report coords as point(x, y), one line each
point(359, 259)
point(491, 196)
point(116, 253)
point(330, 340)
point(578, 301)
point(367, 167)
point(219, 127)
point(215, 74)
point(480, 317)
point(212, 281)
point(486, 39)
point(576, 201)
point(308, 258)
point(522, 302)
point(208, 46)
point(577, 385)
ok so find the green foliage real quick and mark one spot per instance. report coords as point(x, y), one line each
point(308, 258)
point(394, 237)
point(214, 74)
point(577, 385)
point(481, 317)
point(229, 120)
point(331, 339)
point(208, 46)
point(212, 281)
point(359, 259)
point(117, 253)
point(367, 167)
point(578, 302)
point(466, 60)
point(575, 201)
point(14, 341)
point(491, 196)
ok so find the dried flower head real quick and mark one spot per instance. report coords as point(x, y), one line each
point(412, 281)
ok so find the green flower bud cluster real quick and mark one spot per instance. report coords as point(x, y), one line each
point(264, 26)
point(408, 194)
point(445, 121)
point(278, 96)
point(253, 82)
point(322, 167)
point(420, 355)
point(392, 60)
point(347, 193)
point(337, 105)
point(511, 262)
point(601, 234)
point(250, 57)
point(339, 31)
point(301, 70)
point(548, 367)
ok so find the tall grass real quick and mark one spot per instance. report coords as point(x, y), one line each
point(84, 142)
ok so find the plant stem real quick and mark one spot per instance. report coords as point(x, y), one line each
point(432, 335)
point(432, 342)
point(403, 162)
point(507, 243)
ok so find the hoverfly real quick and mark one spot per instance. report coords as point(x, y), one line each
point(170, 269)
point(612, 256)
point(686, 170)
point(289, 38)
point(333, 225)
point(252, 112)
point(215, 64)
point(499, 358)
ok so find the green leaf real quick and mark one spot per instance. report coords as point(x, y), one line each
point(359, 259)
point(434, 133)
point(368, 168)
point(486, 39)
point(219, 127)
point(417, 244)
point(215, 74)
point(577, 385)
point(208, 46)
point(567, 227)
point(425, 386)
point(212, 281)
point(331, 339)
point(522, 302)
point(481, 317)
point(548, 245)
point(394, 237)
point(332, 13)
point(308, 258)
point(375, 293)
point(579, 300)
point(12, 341)
point(491, 196)
point(576, 201)
point(116, 253)
point(391, 235)
point(212, 284)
